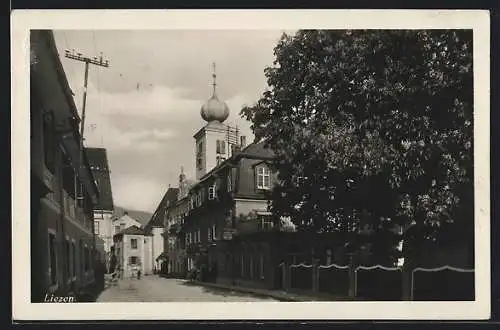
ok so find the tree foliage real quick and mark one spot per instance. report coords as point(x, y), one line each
point(372, 127)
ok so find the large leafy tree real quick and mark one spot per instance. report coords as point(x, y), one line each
point(372, 128)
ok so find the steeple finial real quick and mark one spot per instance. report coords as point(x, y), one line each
point(214, 76)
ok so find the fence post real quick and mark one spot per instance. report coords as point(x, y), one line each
point(286, 276)
point(407, 273)
point(315, 275)
point(352, 277)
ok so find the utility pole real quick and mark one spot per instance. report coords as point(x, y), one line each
point(87, 60)
point(99, 62)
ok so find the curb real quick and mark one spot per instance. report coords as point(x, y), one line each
point(254, 292)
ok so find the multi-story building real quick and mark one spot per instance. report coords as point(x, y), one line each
point(63, 190)
point(156, 225)
point(228, 228)
point(133, 248)
point(103, 210)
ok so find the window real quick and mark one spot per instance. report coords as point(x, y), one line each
point(133, 260)
point(49, 147)
point(264, 223)
point(213, 232)
point(133, 243)
point(221, 147)
point(73, 252)
point(209, 234)
point(82, 256)
point(263, 177)
point(117, 229)
point(67, 253)
point(122, 226)
point(229, 183)
point(199, 155)
point(96, 227)
point(52, 259)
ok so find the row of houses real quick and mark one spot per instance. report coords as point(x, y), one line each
point(219, 224)
point(75, 226)
point(66, 255)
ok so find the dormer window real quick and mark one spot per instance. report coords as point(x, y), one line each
point(220, 160)
point(263, 177)
point(211, 192)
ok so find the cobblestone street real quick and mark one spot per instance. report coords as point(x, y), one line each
point(157, 289)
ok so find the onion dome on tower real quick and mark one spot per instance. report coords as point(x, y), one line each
point(214, 109)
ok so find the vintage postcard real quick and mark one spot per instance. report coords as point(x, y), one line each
point(178, 165)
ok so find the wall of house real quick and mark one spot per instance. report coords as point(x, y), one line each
point(129, 252)
point(157, 245)
point(56, 213)
point(143, 252)
point(105, 223)
point(148, 255)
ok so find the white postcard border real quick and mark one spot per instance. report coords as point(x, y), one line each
point(24, 20)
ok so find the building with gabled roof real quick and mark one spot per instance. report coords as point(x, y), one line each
point(132, 246)
point(104, 208)
point(64, 248)
point(156, 225)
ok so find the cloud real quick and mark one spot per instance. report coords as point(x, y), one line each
point(137, 193)
point(145, 108)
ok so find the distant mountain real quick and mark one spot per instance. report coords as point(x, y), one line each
point(141, 216)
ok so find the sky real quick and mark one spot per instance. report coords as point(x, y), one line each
point(145, 107)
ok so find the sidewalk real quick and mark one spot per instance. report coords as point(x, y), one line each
point(275, 294)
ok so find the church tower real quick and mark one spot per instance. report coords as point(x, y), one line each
point(215, 141)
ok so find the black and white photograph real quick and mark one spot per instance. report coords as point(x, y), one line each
point(175, 159)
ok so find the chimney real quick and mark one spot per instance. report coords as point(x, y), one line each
point(125, 213)
point(243, 141)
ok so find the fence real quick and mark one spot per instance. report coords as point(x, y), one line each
point(443, 284)
point(333, 279)
point(380, 283)
point(301, 276)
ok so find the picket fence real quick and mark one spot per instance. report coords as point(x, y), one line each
point(382, 283)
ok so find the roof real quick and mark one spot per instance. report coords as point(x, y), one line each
point(49, 35)
point(255, 150)
point(140, 216)
point(132, 230)
point(99, 166)
point(170, 197)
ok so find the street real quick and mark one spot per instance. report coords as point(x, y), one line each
point(158, 289)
